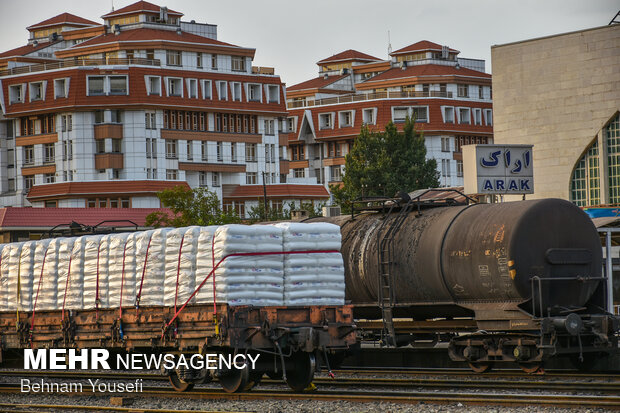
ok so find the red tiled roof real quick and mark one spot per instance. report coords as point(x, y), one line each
point(24, 50)
point(316, 83)
point(20, 217)
point(101, 187)
point(426, 70)
point(64, 18)
point(284, 191)
point(348, 55)
point(149, 34)
point(421, 46)
point(138, 7)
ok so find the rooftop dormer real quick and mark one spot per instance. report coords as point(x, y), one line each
point(344, 61)
point(51, 28)
point(142, 12)
point(424, 50)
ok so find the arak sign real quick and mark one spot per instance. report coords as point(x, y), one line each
point(498, 169)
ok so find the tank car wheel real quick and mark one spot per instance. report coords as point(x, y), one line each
point(236, 380)
point(300, 372)
point(254, 380)
point(481, 367)
point(177, 384)
point(532, 368)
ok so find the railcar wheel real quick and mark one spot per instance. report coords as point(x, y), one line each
point(254, 380)
point(481, 367)
point(177, 384)
point(300, 372)
point(236, 380)
point(531, 368)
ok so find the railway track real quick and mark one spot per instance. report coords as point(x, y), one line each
point(408, 397)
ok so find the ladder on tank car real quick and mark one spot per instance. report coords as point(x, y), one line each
point(385, 254)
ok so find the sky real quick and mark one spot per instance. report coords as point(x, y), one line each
point(292, 35)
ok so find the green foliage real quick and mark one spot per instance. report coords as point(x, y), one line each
point(197, 206)
point(257, 213)
point(313, 211)
point(383, 163)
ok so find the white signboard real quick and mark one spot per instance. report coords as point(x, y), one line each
point(498, 169)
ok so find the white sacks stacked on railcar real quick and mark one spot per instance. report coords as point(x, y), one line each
point(312, 278)
point(250, 265)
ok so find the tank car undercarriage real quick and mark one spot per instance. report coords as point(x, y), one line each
point(291, 341)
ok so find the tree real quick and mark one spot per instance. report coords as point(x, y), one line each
point(257, 213)
point(383, 163)
point(197, 206)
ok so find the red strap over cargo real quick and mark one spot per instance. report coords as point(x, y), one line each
point(146, 258)
point(238, 254)
point(176, 291)
point(34, 307)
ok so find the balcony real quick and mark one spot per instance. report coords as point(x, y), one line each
point(69, 63)
point(285, 166)
point(370, 96)
point(36, 139)
point(210, 136)
point(108, 131)
point(299, 164)
point(109, 161)
point(210, 167)
point(339, 160)
point(35, 170)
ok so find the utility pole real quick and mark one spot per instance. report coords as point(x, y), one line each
point(265, 198)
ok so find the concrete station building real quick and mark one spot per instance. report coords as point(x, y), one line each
point(450, 98)
point(106, 115)
point(561, 93)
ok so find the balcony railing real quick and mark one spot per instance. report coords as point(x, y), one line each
point(68, 63)
point(358, 97)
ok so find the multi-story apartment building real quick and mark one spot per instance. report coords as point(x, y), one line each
point(449, 98)
point(107, 115)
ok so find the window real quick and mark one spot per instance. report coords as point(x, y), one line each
point(154, 85)
point(299, 173)
point(298, 152)
point(116, 116)
point(202, 179)
point(190, 151)
point(213, 62)
point(149, 120)
point(269, 127)
point(290, 124)
point(445, 168)
point(49, 178)
point(11, 187)
point(171, 149)
point(464, 116)
point(192, 88)
point(267, 153)
point(273, 94)
point(95, 85)
point(204, 151)
point(426, 89)
point(233, 152)
point(222, 90)
point(459, 168)
point(172, 174)
point(206, 89)
point(346, 119)
point(116, 145)
point(611, 137)
point(462, 91)
point(250, 152)
point(29, 155)
point(250, 178)
point(175, 86)
point(325, 121)
point(36, 91)
point(173, 57)
point(47, 124)
point(49, 153)
point(215, 179)
point(443, 91)
point(448, 114)
point(273, 152)
point(477, 116)
point(238, 63)
point(150, 54)
point(420, 114)
point(336, 173)
point(28, 182)
point(445, 144)
point(98, 117)
point(399, 114)
point(10, 158)
point(254, 93)
point(368, 116)
point(219, 151)
point(60, 88)
point(199, 60)
point(16, 94)
point(100, 144)
point(236, 91)
point(118, 85)
point(69, 149)
point(480, 92)
point(488, 117)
